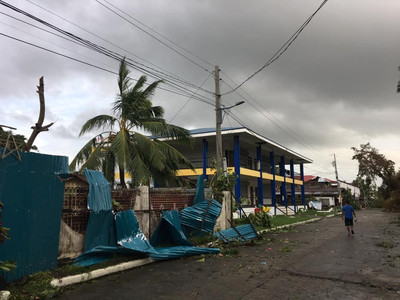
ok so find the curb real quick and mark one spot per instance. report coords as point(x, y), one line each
point(60, 282)
point(4, 295)
point(289, 225)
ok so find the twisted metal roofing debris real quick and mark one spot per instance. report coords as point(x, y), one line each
point(100, 230)
point(129, 235)
point(179, 251)
point(99, 197)
point(240, 233)
point(169, 231)
point(131, 240)
point(202, 216)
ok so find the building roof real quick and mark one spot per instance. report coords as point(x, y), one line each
point(249, 136)
point(308, 178)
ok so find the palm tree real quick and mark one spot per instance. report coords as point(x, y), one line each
point(131, 151)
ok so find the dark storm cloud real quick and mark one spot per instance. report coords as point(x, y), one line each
point(333, 89)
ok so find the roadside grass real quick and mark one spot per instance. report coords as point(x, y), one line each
point(203, 239)
point(281, 220)
point(37, 285)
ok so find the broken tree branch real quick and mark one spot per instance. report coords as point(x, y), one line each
point(38, 128)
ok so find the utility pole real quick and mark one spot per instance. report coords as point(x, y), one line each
point(218, 117)
point(337, 180)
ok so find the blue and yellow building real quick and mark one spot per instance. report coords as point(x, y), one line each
point(267, 171)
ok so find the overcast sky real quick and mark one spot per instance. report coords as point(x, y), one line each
point(334, 87)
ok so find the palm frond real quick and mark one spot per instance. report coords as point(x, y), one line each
point(148, 151)
point(123, 77)
point(161, 129)
point(150, 90)
point(82, 155)
point(100, 121)
point(94, 161)
point(122, 148)
point(157, 112)
point(173, 161)
point(139, 84)
point(174, 158)
point(143, 156)
point(108, 166)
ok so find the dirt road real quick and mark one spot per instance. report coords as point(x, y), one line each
point(312, 261)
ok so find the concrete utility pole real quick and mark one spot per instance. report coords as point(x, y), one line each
point(218, 117)
point(337, 180)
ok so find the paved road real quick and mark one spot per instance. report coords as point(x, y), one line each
point(312, 261)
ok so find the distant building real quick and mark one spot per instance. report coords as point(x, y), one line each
point(326, 190)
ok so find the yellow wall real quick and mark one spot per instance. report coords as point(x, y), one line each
point(243, 171)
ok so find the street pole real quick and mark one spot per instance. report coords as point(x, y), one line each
point(337, 180)
point(218, 118)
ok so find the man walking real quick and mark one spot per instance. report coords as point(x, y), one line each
point(347, 215)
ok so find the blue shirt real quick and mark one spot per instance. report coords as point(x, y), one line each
point(348, 211)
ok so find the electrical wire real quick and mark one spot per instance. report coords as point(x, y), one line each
point(281, 50)
point(57, 53)
point(103, 39)
point(158, 33)
point(185, 93)
point(141, 67)
point(159, 40)
point(289, 131)
point(190, 98)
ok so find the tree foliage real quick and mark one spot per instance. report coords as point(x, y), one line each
point(373, 165)
point(124, 146)
point(19, 139)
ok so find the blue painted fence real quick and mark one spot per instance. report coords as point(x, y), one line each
point(32, 195)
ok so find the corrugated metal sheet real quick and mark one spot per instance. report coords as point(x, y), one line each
point(99, 197)
point(100, 230)
point(129, 235)
point(32, 195)
point(133, 241)
point(202, 216)
point(246, 231)
point(179, 251)
point(169, 231)
point(100, 254)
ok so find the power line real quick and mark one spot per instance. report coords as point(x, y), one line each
point(289, 131)
point(165, 44)
point(100, 49)
point(57, 53)
point(103, 39)
point(190, 98)
point(158, 33)
point(185, 93)
point(281, 50)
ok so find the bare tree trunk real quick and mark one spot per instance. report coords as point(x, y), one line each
point(38, 128)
